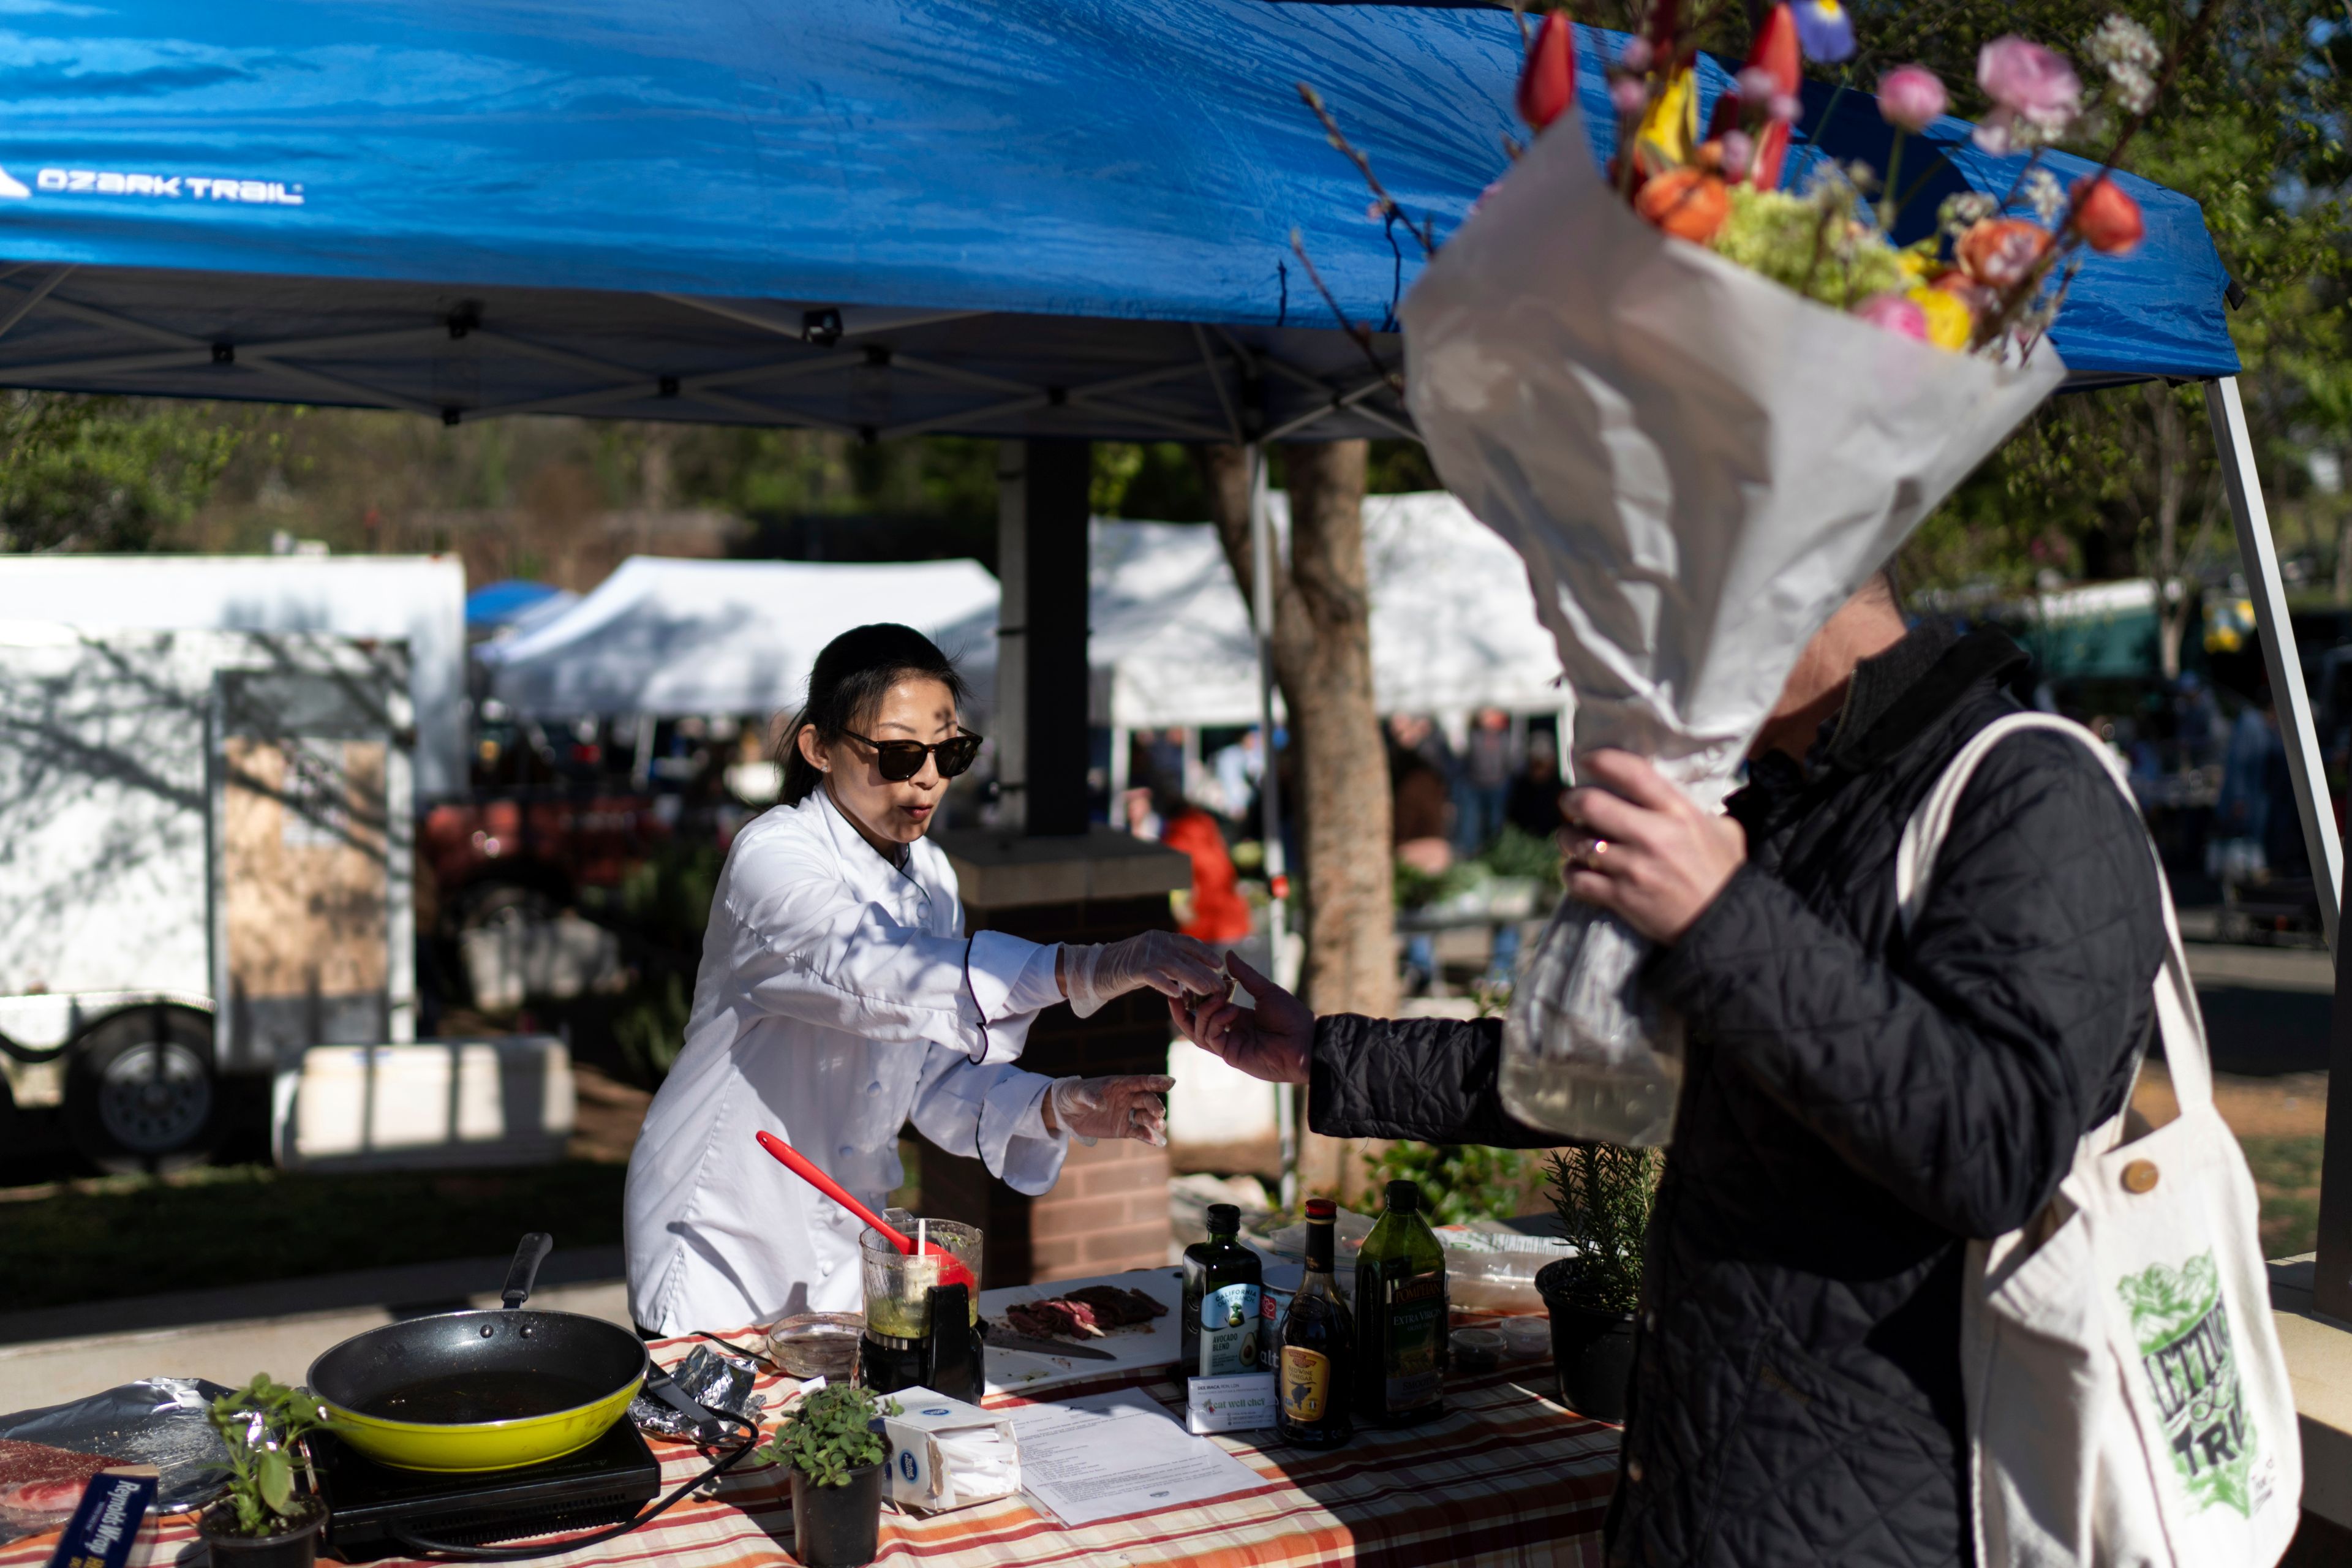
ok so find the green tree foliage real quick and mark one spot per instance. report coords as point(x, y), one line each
point(1459, 1183)
point(105, 473)
point(2122, 482)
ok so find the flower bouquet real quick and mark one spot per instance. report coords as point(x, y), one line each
point(1706, 396)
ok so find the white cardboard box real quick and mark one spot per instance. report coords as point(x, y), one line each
point(1241, 1402)
point(919, 1476)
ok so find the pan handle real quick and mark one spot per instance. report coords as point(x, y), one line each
point(523, 1272)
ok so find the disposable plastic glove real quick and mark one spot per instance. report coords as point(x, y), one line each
point(1130, 1107)
point(1168, 963)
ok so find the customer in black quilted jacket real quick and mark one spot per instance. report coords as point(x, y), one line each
point(1857, 1102)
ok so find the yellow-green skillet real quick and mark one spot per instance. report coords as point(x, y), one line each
point(543, 1384)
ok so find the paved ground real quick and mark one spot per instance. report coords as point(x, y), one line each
point(47, 1357)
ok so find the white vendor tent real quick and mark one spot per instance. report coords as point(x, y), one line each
point(1454, 621)
point(1453, 627)
point(418, 598)
point(665, 638)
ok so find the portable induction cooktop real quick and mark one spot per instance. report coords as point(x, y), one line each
point(370, 1506)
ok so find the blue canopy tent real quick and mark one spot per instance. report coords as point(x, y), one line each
point(974, 216)
point(992, 217)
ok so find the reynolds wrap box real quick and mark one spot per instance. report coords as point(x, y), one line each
point(945, 1453)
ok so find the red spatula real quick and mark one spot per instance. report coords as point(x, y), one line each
point(952, 1267)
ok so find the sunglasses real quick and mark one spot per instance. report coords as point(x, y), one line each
point(902, 760)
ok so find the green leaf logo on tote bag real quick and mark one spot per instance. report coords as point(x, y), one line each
point(2183, 1329)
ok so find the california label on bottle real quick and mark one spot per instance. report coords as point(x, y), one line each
point(1416, 1324)
point(1306, 1384)
point(1231, 1326)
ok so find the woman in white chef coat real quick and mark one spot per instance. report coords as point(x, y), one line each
point(839, 999)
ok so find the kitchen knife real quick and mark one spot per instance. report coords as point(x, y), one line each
point(1004, 1339)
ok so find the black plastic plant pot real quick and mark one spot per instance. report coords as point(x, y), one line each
point(294, 1548)
point(1591, 1347)
point(837, 1527)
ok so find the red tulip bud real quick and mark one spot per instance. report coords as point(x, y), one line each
point(2106, 216)
point(1776, 53)
point(1663, 19)
point(1776, 48)
point(1547, 82)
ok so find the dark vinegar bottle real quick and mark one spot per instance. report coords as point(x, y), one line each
point(1316, 1368)
point(1223, 1283)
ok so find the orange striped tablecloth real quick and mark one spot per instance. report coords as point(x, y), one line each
point(1507, 1476)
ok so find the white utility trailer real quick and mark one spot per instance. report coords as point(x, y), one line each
point(206, 867)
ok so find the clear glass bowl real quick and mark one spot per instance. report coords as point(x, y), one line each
point(817, 1344)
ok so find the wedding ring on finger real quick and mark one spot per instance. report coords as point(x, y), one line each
point(1586, 856)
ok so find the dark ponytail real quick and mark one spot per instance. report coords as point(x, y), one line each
point(851, 676)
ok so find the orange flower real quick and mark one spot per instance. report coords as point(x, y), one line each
point(2106, 216)
point(1689, 203)
point(1998, 252)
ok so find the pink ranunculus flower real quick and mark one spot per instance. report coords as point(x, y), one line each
point(1897, 314)
point(2029, 81)
point(1738, 154)
point(1911, 96)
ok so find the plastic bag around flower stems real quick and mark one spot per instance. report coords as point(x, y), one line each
point(1697, 466)
point(1585, 1050)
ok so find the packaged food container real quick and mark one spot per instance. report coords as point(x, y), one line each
point(816, 1345)
point(1476, 1349)
point(1527, 1337)
point(1491, 1268)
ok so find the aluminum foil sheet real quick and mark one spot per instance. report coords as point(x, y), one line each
point(722, 1383)
point(157, 1421)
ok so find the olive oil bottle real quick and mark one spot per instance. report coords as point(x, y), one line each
point(1401, 1318)
point(1222, 1333)
point(1317, 1355)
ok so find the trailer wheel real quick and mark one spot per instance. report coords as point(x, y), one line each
point(140, 1090)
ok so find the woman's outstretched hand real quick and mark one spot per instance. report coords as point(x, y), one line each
point(1166, 962)
point(1275, 1042)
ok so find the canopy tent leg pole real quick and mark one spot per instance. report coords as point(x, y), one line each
point(1119, 746)
point(1269, 794)
point(2258, 555)
point(2332, 1274)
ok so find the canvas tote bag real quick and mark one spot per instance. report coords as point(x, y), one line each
point(2127, 1403)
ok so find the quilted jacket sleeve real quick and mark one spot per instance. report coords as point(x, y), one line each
point(1960, 1077)
point(1433, 1079)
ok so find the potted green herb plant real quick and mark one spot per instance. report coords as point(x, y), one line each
point(836, 1458)
point(1602, 1194)
point(263, 1520)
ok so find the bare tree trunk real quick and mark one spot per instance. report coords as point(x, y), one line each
point(2172, 461)
point(1323, 662)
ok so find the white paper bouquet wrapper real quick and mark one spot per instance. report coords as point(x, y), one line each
point(1698, 466)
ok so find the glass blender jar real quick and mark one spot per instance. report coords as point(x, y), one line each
point(904, 1345)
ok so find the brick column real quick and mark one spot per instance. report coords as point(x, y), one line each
point(1109, 1210)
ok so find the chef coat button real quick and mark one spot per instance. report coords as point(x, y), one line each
point(846, 1151)
point(826, 1269)
point(1632, 1466)
point(874, 1087)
